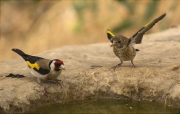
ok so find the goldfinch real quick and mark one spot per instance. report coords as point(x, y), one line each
point(123, 46)
point(42, 68)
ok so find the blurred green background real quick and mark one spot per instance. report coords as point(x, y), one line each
point(38, 25)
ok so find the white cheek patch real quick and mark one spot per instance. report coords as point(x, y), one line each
point(52, 65)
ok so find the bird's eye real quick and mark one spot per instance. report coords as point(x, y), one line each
point(57, 65)
point(119, 42)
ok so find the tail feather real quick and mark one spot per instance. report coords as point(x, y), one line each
point(26, 57)
point(137, 49)
point(21, 53)
point(18, 51)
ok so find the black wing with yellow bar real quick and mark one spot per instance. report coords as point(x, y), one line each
point(32, 61)
point(137, 37)
point(110, 36)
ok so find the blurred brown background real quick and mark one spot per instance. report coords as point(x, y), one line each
point(36, 26)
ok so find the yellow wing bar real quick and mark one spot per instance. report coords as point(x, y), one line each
point(148, 24)
point(110, 33)
point(33, 65)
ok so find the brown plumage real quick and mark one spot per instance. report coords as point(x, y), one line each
point(123, 46)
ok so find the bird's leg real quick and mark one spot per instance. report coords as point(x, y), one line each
point(45, 90)
point(118, 65)
point(132, 63)
point(58, 82)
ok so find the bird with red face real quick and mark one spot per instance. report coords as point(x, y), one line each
point(42, 68)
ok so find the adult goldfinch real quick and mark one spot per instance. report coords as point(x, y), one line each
point(42, 68)
point(123, 46)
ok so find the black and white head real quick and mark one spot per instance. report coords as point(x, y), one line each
point(57, 65)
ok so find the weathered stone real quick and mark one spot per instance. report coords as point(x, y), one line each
point(88, 74)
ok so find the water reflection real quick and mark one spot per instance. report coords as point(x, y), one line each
point(111, 106)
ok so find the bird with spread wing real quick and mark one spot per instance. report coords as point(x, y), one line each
point(123, 46)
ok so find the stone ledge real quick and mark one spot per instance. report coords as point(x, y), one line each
point(89, 75)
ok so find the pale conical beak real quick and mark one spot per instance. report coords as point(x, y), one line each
point(62, 67)
point(112, 45)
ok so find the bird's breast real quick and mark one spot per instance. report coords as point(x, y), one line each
point(53, 75)
point(125, 54)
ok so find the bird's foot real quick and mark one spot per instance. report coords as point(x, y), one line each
point(133, 66)
point(45, 91)
point(132, 63)
point(59, 82)
point(118, 65)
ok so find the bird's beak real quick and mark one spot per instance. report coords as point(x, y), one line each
point(112, 45)
point(62, 67)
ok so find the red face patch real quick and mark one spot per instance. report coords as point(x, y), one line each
point(58, 62)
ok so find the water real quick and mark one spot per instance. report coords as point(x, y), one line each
point(110, 106)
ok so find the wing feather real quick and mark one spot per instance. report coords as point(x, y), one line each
point(110, 36)
point(137, 37)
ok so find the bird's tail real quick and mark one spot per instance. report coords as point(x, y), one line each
point(137, 49)
point(18, 51)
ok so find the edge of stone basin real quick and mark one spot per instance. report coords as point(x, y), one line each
point(89, 75)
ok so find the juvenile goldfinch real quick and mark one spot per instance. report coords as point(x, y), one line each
point(123, 46)
point(42, 68)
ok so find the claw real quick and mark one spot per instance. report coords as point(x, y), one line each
point(132, 64)
point(118, 65)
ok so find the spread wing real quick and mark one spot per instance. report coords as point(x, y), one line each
point(137, 37)
point(110, 36)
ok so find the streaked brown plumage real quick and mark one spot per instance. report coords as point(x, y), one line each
point(123, 46)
